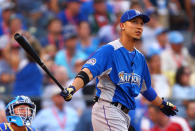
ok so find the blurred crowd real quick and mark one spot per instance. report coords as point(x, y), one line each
point(65, 33)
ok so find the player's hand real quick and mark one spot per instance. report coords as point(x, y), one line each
point(168, 108)
point(70, 91)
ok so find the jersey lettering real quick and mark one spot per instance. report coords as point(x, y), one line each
point(129, 78)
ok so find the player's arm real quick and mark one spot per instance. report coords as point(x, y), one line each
point(166, 107)
point(92, 68)
point(79, 82)
point(82, 78)
point(150, 94)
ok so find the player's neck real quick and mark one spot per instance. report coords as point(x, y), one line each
point(18, 128)
point(128, 43)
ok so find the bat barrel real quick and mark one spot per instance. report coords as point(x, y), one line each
point(17, 36)
point(26, 46)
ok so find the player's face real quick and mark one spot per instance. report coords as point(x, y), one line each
point(23, 110)
point(133, 28)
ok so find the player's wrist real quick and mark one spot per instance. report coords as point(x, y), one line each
point(162, 104)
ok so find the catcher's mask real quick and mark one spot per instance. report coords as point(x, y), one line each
point(18, 114)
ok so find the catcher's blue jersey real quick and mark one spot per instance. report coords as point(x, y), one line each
point(7, 127)
point(121, 74)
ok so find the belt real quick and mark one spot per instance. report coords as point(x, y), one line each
point(117, 104)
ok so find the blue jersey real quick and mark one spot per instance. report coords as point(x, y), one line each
point(7, 127)
point(121, 74)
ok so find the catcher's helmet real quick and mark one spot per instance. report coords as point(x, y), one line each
point(20, 118)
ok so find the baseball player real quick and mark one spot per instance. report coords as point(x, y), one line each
point(121, 74)
point(19, 112)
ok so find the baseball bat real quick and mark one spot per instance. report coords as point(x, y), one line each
point(26, 46)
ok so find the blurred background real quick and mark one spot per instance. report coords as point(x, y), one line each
point(65, 33)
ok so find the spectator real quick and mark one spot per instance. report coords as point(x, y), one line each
point(7, 74)
point(27, 6)
point(49, 10)
point(37, 21)
point(15, 25)
point(87, 7)
point(191, 114)
point(29, 75)
point(181, 17)
point(2, 112)
point(51, 7)
point(100, 16)
point(60, 74)
point(54, 34)
point(139, 115)
point(162, 122)
point(71, 14)
point(110, 32)
point(47, 55)
point(192, 10)
point(136, 5)
point(85, 123)
point(191, 50)
point(58, 117)
point(87, 43)
point(189, 10)
point(161, 36)
point(6, 12)
point(159, 80)
point(50, 51)
point(149, 39)
point(177, 55)
point(182, 91)
point(69, 55)
point(121, 5)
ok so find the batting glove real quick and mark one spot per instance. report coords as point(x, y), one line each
point(168, 108)
point(70, 91)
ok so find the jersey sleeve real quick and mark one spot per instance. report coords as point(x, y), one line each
point(99, 62)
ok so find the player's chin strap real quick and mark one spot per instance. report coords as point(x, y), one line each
point(84, 76)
